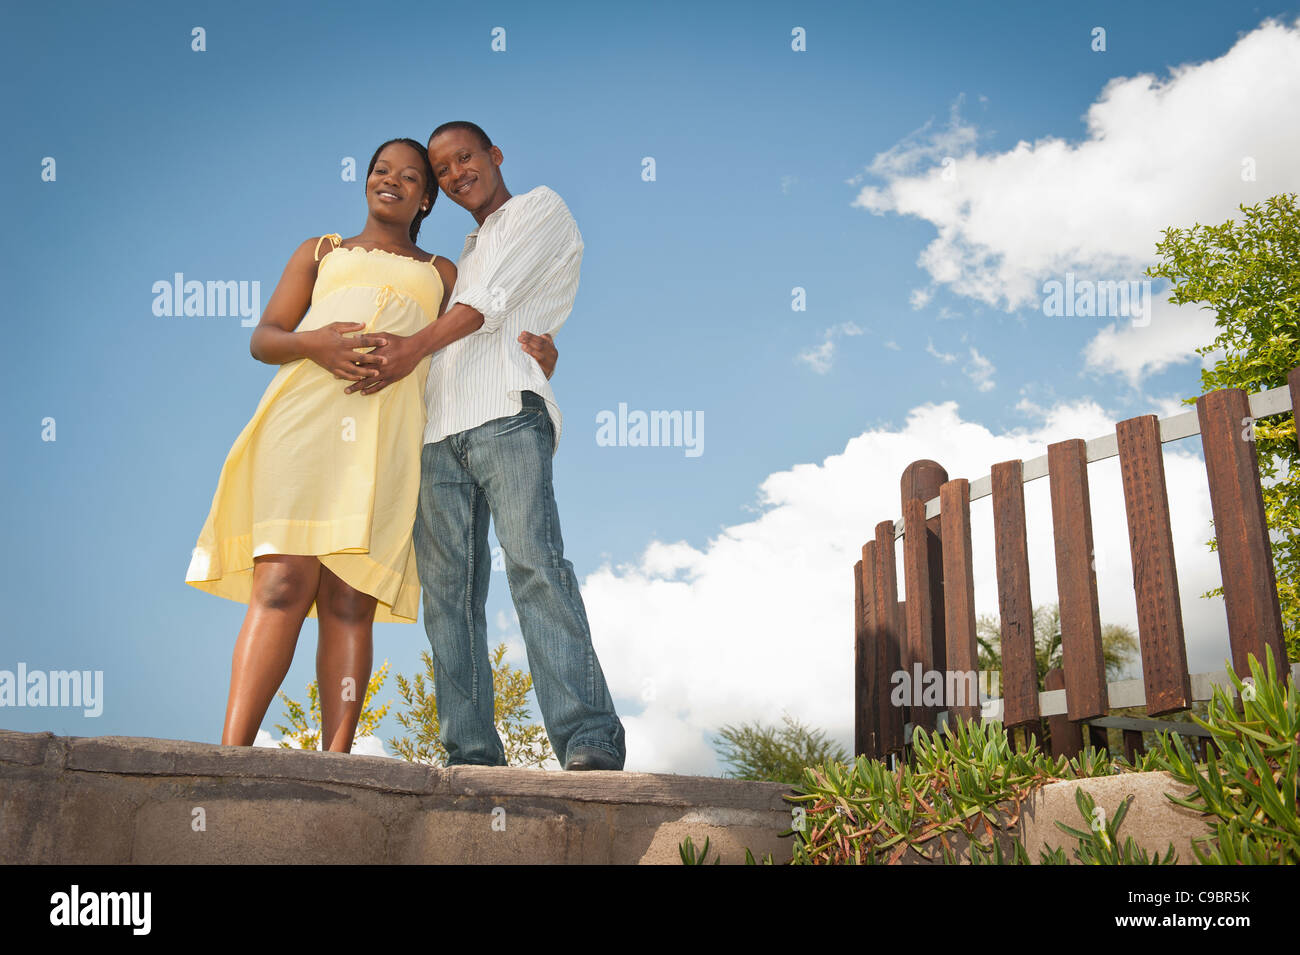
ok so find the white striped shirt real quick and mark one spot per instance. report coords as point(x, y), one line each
point(520, 269)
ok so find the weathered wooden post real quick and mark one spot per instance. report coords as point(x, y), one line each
point(1015, 606)
point(1240, 527)
point(1099, 737)
point(1155, 576)
point(1293, 379)
point(1067, 738)
point(889, 634)
point(865, 710)
point(923, 580)
point(962, 649)
point(1133, 744)
point(1084, 676)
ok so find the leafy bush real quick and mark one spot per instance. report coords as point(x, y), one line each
point(958, 798)
point(755, 751)
point(1245, 271)
point(1250, 785)
point(959, 795)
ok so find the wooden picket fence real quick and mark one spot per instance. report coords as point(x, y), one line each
point(935, 626)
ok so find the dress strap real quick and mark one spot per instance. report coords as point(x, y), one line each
point(334, 238)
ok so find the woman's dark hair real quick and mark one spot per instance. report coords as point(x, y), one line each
point(430, 185)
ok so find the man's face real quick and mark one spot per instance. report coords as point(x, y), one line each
point(465, 171)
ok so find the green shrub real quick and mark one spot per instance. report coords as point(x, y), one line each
point(1249, 787)
point(957, 798)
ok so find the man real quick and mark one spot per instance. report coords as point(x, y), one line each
point(493, 427)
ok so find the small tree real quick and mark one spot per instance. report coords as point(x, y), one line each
point(525, 742)
point(1119, 644)
point(1248, 273)
point(305, 725)
point(774, 753)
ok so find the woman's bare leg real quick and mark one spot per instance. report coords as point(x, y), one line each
point(344, 657)
point(284, 586)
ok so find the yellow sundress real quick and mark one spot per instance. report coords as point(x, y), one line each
point(317, 471)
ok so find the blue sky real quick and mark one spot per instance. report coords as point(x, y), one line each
point(774, 169)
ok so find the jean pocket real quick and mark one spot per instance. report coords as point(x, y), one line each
point(528, 418)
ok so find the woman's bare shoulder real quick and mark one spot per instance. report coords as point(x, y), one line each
point(313, 249)
point(446, 268)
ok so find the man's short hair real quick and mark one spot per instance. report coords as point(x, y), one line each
point(464, 124)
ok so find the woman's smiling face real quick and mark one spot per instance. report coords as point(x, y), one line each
point(395, 188)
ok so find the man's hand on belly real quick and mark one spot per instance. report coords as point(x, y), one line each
point(397, 359)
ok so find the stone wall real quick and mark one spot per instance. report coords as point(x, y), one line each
point(111, 799)
point(114, 799)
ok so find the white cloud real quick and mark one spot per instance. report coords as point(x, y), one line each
point(370, 746)
point(946, 357)
point(267, 741)
point(365, 746)
point(1158, 152)
point(926, 146)
point(759, 620)
point(980, 371)
point(1135, 351)
point(820, 357)
point(920, 297)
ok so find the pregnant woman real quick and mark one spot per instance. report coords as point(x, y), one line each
point(316, 501)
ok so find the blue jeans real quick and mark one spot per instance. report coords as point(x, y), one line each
point(504, 467)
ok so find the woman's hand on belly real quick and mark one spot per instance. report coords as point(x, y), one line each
point(396, 355)
point(330, 347)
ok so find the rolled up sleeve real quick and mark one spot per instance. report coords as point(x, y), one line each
point(536, 241)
